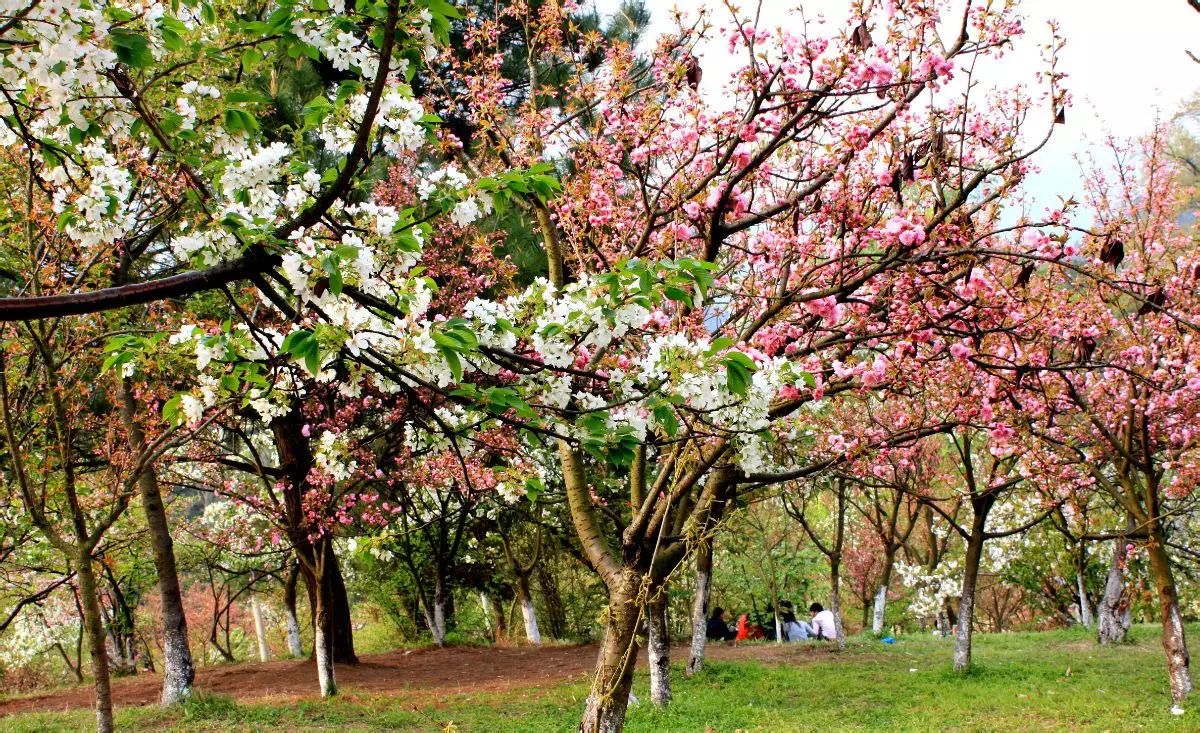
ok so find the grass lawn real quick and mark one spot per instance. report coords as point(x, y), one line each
point(1022, 682)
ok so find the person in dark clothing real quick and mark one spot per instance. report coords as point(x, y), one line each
point(717, 628)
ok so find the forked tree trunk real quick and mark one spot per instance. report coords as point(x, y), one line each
point(1173, 641)
point(658, 647)
point(532, 634)
point(179, 672)
point(96, 637)
point(700, 608)
point(609, 699)
point(966, 605)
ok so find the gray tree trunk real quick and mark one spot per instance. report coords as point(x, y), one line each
point(486, 604)
point(528, 612)
point(880, 610)
point(966, 605)
point(289, 612)
point(322, 637)
point(260, 632)
point(835, 597)
point(700, 609)
point(178, 670)
point(658, 647)
point(1112, 619)
point(293, 633)
point(435, 615)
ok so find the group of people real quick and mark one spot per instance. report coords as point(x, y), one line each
point(820, 627)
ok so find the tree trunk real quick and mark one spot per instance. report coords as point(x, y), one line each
point(178, 670)
point(343, 627)
point(1111, 615)
point(341, 632)
point(501, 630)
point(881, 594)
point(322, 641)
point(555, 619)
point(1173, 641)
point(435, 615)
point(609, 699)
point(658, 647)
point(1085, 608)
point(835, 600)
point(259, 631)
point(96, 647)
point(485, 603)
point(532, 634)
point(966, 605)
point(880, 609)
point(122, 662)
point(700, 608)
point(289, 613)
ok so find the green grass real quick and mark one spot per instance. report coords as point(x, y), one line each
point(1022, 682)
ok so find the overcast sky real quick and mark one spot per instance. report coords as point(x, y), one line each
point(1125, 62)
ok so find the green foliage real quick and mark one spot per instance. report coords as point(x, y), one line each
point(209, 706)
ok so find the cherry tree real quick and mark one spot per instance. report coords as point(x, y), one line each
point(712, 270)
point(764, 193)
point(1121, 387)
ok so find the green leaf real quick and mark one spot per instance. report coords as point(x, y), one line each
point(331, 267)
point(302, 345)
point(738, 370)
point(170, 410)
point(116, 359)
point(239, 120)
point(534, 488)
point(243, 96)
point(665, 416)
point(443, 8)
point(132, 49)
point(453, 362)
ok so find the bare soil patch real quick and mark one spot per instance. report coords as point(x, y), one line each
point(425, 674)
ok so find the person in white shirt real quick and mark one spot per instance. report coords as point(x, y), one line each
point(823, 626)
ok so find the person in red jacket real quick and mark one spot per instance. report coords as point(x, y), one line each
point(747, 630)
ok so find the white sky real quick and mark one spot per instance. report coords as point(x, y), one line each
point(1125, 63)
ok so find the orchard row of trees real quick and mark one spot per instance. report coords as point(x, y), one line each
point(462, 287)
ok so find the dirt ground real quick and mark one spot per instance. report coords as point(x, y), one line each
point(424, 674)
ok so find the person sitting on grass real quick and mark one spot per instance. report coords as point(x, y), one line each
point(823, 624)
point(746, 630)
point(717, 629)
point(793, 629)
